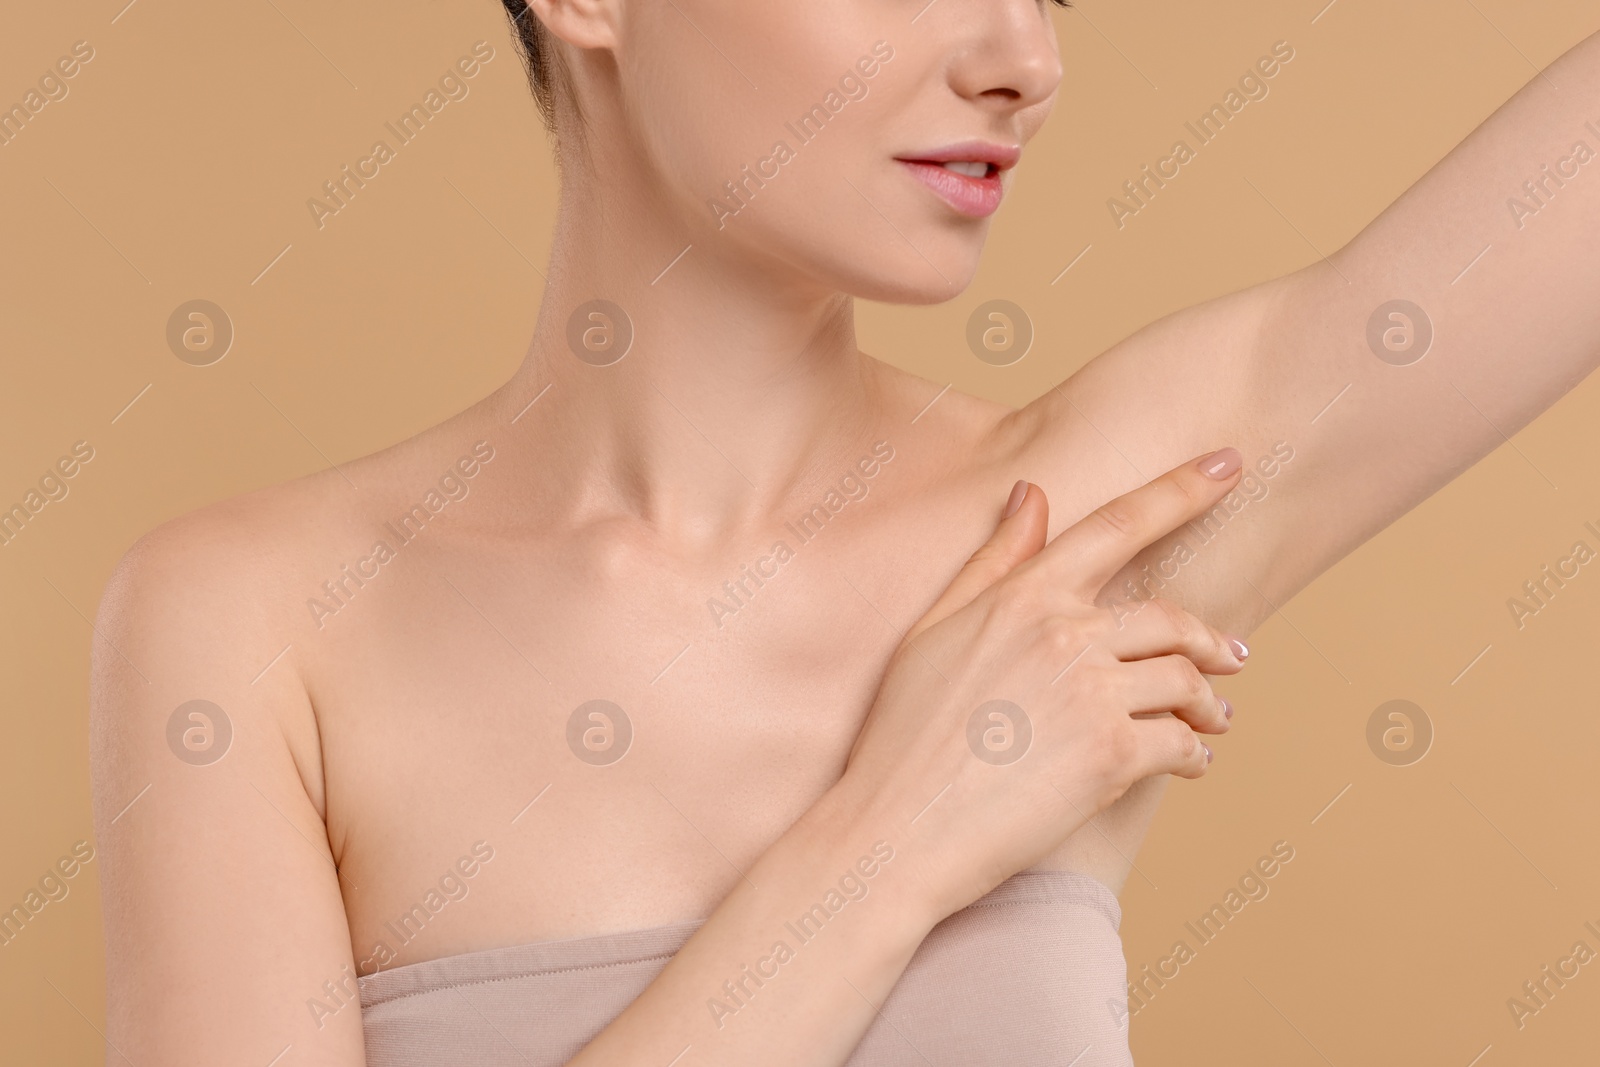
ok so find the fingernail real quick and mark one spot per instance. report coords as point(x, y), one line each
point(1221, 463)
point(1208, 751)
point(1018, 491)
point(1227, 708)
point(1241, 651)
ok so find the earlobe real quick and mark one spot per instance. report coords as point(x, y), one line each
point(585, 24)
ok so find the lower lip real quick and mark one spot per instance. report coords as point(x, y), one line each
point(975, 197)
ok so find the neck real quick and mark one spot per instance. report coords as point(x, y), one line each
point(741, 383)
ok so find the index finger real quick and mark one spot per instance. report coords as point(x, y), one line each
point(1088, 554)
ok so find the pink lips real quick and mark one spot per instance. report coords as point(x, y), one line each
point(971, 196)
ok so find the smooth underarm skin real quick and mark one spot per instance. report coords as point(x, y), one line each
point(368, 754)
point(1511, 335)
point(1343, 442)
point(1346, 442)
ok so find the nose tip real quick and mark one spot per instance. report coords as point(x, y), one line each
point(1014, 61)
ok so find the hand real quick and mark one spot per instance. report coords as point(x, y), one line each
point(1018, 708)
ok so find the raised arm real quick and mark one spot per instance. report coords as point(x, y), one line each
point(1376, 404)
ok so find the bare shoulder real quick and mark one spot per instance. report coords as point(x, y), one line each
point(214, 602)
point(211, 805)
point(236, 553)
point(214, 574)
point(216, 562)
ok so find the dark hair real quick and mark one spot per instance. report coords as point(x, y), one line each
point(537, 56)
point(542, 61)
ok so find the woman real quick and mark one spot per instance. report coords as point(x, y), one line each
point(684, 700)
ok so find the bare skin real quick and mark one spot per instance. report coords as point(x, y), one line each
point(426, 713)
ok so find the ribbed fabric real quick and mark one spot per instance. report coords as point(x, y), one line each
point(1031, 974)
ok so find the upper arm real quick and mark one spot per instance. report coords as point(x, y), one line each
point(223, 910)
point(1290, 366)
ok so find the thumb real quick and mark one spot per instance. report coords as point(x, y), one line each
point(1019, 536)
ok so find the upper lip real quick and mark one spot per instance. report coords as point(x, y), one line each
point(1003, 157)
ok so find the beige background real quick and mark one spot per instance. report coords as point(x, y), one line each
point(179, 165)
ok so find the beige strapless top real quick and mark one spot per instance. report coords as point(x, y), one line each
point(1031, 974)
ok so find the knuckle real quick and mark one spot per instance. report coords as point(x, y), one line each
point(1179, 621)
point(1190, 682)
point(1214, 642)
point(989, 563)
point(1060, 636)
point(1181, 748)
point(1120, 518)
point(1191, 492)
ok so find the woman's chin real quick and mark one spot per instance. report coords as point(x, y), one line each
point(916, 281)
point(915, 291)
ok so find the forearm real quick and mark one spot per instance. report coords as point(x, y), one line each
point(792, 966)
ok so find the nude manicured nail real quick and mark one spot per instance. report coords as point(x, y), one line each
point(1221, 463)
point(1227, 708)
point(1018, 491)
point(1241, 651)
point(1209, 756)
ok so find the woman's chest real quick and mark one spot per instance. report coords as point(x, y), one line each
point(601, 745)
